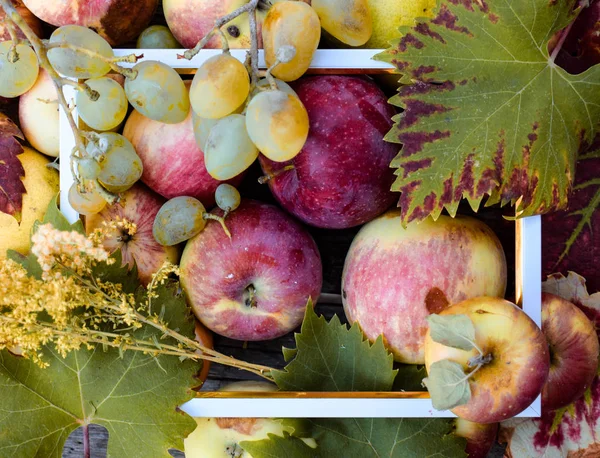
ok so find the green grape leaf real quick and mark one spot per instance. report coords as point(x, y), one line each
point(367, 438)
point(11, 169)
point(410, 378)
point(447, 384)
point(135, 396)
point(277, 447)
point(53, 216)
point(455, 331)
point(331, 357)
point(488, 112)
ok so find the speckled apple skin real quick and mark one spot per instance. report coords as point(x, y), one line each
point(173, 163)
point(342, 176)
point(138, 205)
point(574, 352)
point(118, 21)
point(520, 359)
point(394, 278)
point(267, 249)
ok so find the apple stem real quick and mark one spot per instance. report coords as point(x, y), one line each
point(220, 219)
point(250, 294)
point(480, 360)
point(269, 176)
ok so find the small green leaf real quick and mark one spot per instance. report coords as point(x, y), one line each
point(448, 385)
point(331, 357)
point(456, 331)
point(277, 447)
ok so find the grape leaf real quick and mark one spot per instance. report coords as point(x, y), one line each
point(447, 384)
point(574, 430)
point(571, 238)
point(410, 378)
point(329, 356)
point(489, 113)
point(327, 359)
point(455, 331)
point(11, 169)
point(135, 397)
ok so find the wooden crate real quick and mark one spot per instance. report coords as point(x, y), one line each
point(522, 244)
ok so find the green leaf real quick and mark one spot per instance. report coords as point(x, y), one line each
point(489, 113)
point(331, 357)
point(448, 385)
point(410, 378)
point(53, 216)
point(134, 397)
point(455, 331)
point(367, 438)
point(277, 447)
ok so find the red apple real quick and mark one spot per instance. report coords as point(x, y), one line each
point(574, 352)
point(394, 278)
point(480, 437)
point(254, 286)
point(138, 205)
point(39, 115)
point(173, 163)
point(342, 176)
point(205, 337)
point(519, 359)
point(118, 21)
point(32, 21)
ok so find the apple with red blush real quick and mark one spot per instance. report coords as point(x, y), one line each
point(574, 352)
point(138, 205)
point(173, 162)
point(256, 284)
point(394, 277)
point(480, 437)
point(31, 20)
point(342, 176)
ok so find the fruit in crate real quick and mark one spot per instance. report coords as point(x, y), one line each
point(118, 21)
point(278, 124)
point(30, 18)
point(173, 163)
point(509, 373)
point(120, 167)
point(480, 437)
point(574, 351)
point(158, 92)
point(342, 176)
point(394, 277)
point(388, 15)
point(254, 286)
point(41, 186)
point(191, 20)
point(294, 24)
point(39, 114)
point(74, 64)
point(349, 21)
point(19, 69)
point(157, 37)
point(219, 87)
point(221, 437)
point(138, 205)
point(109, 110)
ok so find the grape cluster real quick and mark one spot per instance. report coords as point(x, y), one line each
point(238, 112)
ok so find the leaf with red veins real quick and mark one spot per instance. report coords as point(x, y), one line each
point(571, 238)
point(486, 111)
point(11, 169)
point(573, 431)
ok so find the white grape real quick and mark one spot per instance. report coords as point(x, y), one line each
point(109, 110)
